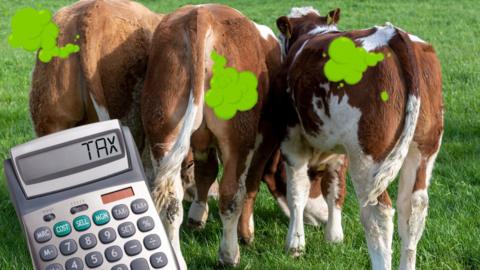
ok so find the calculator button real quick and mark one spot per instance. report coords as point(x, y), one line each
point(68, 247)
point(101, 217)
point(126, 229)
point(139, 264)
point(139, 206)
point(145, 224)
point(48, 253)
point(133, 247)
point(87, 241)
point(49, 217)
point(62, 228)
point(158, 260)
point(94, 259)
point(151, 241)
point(74, 264)
point(120, 211)
point(120, 267)
point(81, 223)
point(107, 235)
point(54, 266)
point(42, 234)
point(113, 254)
point(78, 208)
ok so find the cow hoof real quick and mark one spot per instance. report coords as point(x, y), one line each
point(229, 260)
point(296, 252)
point(334, 237)
point(195, 224)
point(248, 241)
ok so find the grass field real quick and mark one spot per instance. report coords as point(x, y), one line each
point(452, 236)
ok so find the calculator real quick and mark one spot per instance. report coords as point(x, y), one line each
point(83, 202)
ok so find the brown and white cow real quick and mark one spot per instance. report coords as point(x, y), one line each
point(103, 80)
point(175, 117)
point(380, 138)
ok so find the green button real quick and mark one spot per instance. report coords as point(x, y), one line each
point(81, 223)
point(62, 228)
point(101, 217)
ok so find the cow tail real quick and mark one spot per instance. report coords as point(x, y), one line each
point(385, 173)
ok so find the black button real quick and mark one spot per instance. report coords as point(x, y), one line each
point(133, 247)
point(152, 241)
point(145, 224)
point(120, 211)
point(139, 206)
point(87, 241)
point(120, 267)
point(78, 208)
point(107, 235)
point(158, 260)
point(94, 259)
point(113, 253)
point(48, 253)
point(68, 247)
point(42, 234)
point(74, 264)
point(126, 229)
point(139, 264)
point(49, 217)
point(55, 266)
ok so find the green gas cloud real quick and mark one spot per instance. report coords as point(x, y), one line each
point(348, 62)
point(230, 91)
point(384, 96)
point(34, 30)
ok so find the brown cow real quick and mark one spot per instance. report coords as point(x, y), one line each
point(379, 137)
point(174, 116)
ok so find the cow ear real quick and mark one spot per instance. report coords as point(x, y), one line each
point(333, 16)
point(283, 24)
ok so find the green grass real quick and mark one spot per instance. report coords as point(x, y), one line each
point(452, 235)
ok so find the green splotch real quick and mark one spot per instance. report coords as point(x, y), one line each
point(230, 91)
point(384, 96)
point(347, 62)
point(34, 30)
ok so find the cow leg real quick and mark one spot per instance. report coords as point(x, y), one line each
point(206, 170)
point(412, 203)
point(298, 187)
point(333, 188)
point(246, 226)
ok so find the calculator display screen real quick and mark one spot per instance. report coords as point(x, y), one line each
point(70, 157)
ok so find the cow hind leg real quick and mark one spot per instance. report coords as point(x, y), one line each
point(206, 170)
point(412, 203)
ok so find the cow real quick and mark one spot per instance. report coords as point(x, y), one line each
point(380, 136)
point(174, 115)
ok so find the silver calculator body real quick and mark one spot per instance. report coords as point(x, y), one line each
point(83, 202)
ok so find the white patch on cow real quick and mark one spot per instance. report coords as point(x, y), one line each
point(282, 203)
point(265, 31)
point(316, 211)
point(102, 112)
point(299, 52)
point(322, 29)
point(198, 212)
point(251, 224)
point(416, 39)
point(379, 39)
point(298, 12)
point(334, 230)
point(229, 250)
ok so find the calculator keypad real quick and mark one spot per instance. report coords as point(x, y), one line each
point(122, 237)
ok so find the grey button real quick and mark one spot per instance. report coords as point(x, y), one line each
point(152, 241)
point(42, 234)
point(113, 253)
point(133, 247)
point(120, 211)
point(107, 235)
point(145, 224)
point(139, 206)
point(158, 260)
point(126, 229)
point(120, 267)
point(55, 266)
point(68, 247)
point(48, 253)
point(74, 264)
point(94, 259)
point(87, 241)
point(139, 264)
